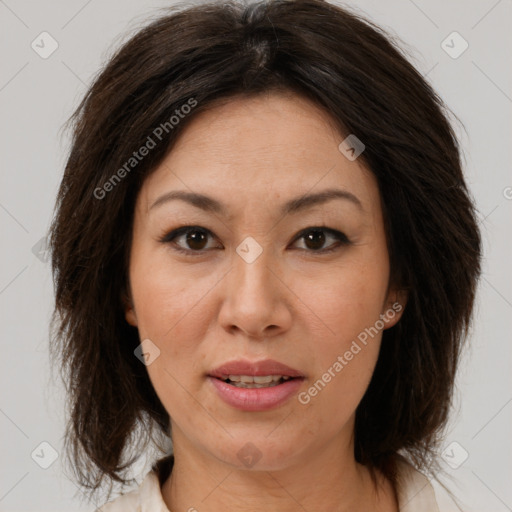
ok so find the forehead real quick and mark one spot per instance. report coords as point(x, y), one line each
point(265, 148)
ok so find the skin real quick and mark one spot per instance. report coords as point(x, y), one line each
point(292, 304)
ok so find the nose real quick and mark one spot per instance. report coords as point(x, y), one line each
point(256, 301)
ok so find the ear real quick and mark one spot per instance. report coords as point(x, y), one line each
point(129, 308)
point(394, 307)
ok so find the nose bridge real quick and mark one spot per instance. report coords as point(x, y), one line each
point(253, 299)
point(251, 270)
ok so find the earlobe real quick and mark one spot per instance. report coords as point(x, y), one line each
point(129, 310)
point(394, 308)
point(130, 316)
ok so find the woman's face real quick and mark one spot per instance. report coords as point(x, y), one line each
point(252, 281)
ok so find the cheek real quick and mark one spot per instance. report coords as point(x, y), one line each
point(343, 367)
point(168, 298)
point(345, 315)
point(173, 311)
point(346, 300)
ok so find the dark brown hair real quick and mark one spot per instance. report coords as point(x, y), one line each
point(207, 53)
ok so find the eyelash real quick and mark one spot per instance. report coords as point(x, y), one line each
point(169, 237)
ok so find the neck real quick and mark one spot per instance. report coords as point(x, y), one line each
point(330, 480)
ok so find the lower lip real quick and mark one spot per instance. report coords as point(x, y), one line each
point(256, 399)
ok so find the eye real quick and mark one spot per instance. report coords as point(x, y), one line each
point(316, 237)
point(194, 239)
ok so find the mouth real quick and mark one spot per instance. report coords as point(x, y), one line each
point(244, 373)
point(255, 386)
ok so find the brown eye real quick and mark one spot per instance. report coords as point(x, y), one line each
point(196, 240)
point(315, 238)
point(189, 239)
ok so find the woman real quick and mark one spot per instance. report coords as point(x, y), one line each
point(264, 250)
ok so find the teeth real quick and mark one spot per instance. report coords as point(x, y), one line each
point(259, 381)
point(253, 385)
point(262, 379)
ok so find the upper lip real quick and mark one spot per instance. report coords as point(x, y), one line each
point(254, 368)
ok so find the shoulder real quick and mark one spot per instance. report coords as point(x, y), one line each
point(146, 498)
point(415, 492)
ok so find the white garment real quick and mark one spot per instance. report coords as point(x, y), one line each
point(415, 494)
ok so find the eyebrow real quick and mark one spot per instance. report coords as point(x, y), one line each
point(295, 205)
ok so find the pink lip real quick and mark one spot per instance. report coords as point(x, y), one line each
point(258, 399)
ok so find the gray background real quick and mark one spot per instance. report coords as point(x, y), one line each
point(36, 97)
